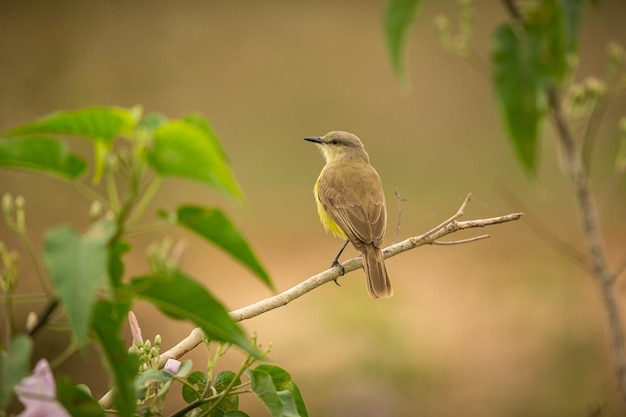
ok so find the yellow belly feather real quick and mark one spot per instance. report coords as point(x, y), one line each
point(328, 223)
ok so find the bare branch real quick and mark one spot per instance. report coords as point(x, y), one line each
point(285, 297)
point(447, 227)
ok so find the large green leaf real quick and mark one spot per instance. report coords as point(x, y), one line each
point(274, 387)
point(121, 365)
point(519, 89)
point(262, 385)
point(14, 366)
point(212, 224)
point(40, 154)
point(398, 18)
point(78, 265)
point(97, 123)
point(100, 124)
point(182, 298)
point(186, 148)
point(285, 386)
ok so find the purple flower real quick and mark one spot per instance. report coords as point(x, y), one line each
point(172, 366)
point(38, 393)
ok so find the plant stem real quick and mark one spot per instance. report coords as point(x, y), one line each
point(591, 226)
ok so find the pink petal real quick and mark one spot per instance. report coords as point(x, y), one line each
point(38, 393)
point(135, 330)
point(172, 365)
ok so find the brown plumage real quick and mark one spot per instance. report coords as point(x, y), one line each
point(351, 204)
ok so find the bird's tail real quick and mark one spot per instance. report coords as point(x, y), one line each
point(378, 284)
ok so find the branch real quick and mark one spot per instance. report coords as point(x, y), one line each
point(449, 226)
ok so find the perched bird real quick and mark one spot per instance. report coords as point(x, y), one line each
point(351, 204)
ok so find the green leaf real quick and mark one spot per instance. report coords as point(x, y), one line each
point(571, 10)
point(201, 123)
point(185, 148)
point(198, 381)
point(520, 93)
point(14, 366)
point(231, 402)
point(148, 377)
point(182, 298)
point(283, 383)
point(99, 124)
point(263, 387)
point(78, 265)
point(41, 154)
point(77, 400)
point(116, 265)
point(121, 365)
point(398, 18)
point(151, 122)
point(96, 123)
point(213, 225)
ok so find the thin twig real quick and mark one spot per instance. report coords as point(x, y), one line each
point(461, 241)
point(399, 200)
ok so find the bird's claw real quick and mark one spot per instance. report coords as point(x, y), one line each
point(336, 264)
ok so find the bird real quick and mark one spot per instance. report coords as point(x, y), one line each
point(351, 204)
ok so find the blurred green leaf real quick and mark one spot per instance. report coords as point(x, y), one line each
point(96, 123)
point(185, 148)
point(263, 387)
point(552, 28)
point(146, 378)
point(14, 366)
point(201, 123)
point(41, 154)
point(116, 265)
point(76, 400)
point(282, 382)
point(571, 10)
point(398, 18)
point(182, 298)
point(121, 365)
point(213, 225)
point(151, 122)
point(519, 89)
point(78, 265)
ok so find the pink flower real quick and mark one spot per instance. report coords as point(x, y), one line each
point(38, 393)
point(172, 366)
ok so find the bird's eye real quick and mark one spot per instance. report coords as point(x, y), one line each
point(334, 141)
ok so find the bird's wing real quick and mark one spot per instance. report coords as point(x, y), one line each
point(353, 197)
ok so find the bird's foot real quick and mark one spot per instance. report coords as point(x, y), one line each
point(338, 265)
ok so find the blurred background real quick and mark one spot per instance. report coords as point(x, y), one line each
point(502, 327)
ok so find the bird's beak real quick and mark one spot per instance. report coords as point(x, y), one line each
point(315, 139)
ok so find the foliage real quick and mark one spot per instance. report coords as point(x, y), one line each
point(533, 61)
point(84, 272)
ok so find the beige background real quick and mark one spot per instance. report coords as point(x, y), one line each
point(501, 327)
